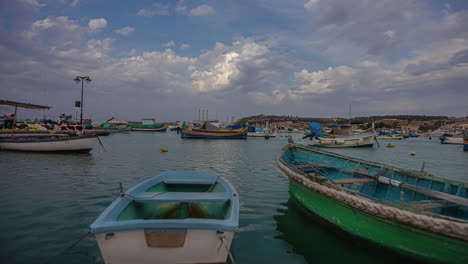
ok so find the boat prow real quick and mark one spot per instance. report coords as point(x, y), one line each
point(175, 217)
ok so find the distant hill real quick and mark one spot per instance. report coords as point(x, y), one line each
point(339, 120)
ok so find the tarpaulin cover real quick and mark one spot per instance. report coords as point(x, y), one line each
point(315, 128)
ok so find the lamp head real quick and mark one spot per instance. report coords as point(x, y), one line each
point(87, 79)
point(77, 80)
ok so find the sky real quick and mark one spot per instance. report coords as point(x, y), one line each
point(169, 59)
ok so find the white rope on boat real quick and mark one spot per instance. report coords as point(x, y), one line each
point(221, 237)
point(436, 225)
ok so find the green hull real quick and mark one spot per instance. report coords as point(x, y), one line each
point(408, 240)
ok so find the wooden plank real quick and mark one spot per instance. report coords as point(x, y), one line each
point(352, 180)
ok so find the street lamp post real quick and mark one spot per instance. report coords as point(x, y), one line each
point(81, 79)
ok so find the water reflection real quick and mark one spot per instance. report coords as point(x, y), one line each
point(320, 242)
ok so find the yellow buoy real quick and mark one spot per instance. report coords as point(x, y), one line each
point(390, 145)
point(412, 153)
point(163, 149)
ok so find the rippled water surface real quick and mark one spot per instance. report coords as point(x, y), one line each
point(48, 201)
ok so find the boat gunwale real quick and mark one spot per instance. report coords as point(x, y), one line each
point(44, 139)
point(107, 221)
point(413, 173)
point(374, 207)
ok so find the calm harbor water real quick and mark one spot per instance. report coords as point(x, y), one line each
point(48, 201)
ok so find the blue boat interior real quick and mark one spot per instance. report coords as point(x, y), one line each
point(361, 177)
point(175, 199)
point(161, 209)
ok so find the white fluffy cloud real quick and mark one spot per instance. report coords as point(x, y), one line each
point(97, 24)
point(155, 9)
point(168, 44)
point(124, 31)
point(245, 65)
point(202, 10)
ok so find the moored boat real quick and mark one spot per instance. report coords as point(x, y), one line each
point(465, 143)
point(451, 139)
point(150, 129)
point(366, 139)
point(317, 138)
point(391, 136)
point(410, 212)
point(51, 143)
point(175, 217)
point(112, 126)
point(189, 133)
point(149, 125)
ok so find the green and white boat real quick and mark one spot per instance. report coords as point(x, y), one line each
point(412, 212)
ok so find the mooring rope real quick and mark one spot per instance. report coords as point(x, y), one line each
point(68, 248)
point(100, 143)
point(221, 237)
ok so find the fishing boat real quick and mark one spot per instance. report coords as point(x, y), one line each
point(43, 142)
point(150, 129)
point(149, 125)
point(190, 133)
point(391, 136)
point(319, 139)
point(366, 139)
point(451, 139)
point(175, 217)
point(465, 143)
point(50, 143)
point(209, 127)
point(410, 212)
point(113, 125)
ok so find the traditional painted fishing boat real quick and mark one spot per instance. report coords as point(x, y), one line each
point(391, 136)
point(112, 126)
point(465, 143)
point(51, 143)
point(319, 139)
point(451, 139)
point(210, 135)
point(366, 139)
point(150, 129)
point(411, 212)
point(149, 125)
point(175, 217)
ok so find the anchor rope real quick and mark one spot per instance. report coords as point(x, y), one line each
point(436, 225)
point(228, 251)
point(68, 248)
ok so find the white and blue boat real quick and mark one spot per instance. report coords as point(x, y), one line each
point(175, 217)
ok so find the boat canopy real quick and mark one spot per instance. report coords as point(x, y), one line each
point(23, 105)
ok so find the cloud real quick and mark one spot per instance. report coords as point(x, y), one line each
point(375, 25)
point(181, 8)
point(184, 46)
point(155, 9)
point(168, 44)
point(124, 31)
point(75, 3)
point(202, 10)
point(97, 24)
point(244, 66)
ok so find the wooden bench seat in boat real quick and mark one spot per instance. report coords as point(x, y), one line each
point(352, 180)
point(183, 197)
